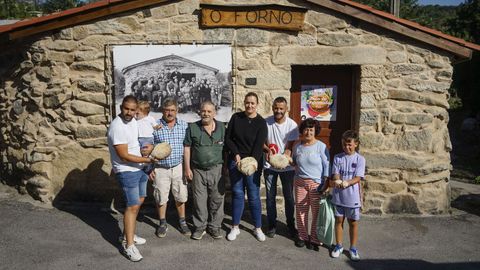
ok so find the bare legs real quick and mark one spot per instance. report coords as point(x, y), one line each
point(353, 231)
point(162, 210)
point(129, 221)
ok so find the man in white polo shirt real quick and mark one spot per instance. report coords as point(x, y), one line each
point(127, 163)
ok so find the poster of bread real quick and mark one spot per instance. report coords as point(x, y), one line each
point(319, 102)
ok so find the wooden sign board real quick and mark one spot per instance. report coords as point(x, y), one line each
point(263, 16)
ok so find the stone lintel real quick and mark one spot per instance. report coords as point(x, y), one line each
point(358, 55)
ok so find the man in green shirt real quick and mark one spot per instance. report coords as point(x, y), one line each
point(203, 159)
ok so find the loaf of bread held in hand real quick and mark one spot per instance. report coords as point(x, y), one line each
point(161, 150)
point(247, 165)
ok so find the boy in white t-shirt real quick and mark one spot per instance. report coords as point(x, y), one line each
point(146, 124)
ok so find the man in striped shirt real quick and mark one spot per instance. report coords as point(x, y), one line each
point(169, 171)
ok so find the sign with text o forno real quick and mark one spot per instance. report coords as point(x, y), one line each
point(263, 16)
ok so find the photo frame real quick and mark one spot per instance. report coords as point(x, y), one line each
point(190, 74)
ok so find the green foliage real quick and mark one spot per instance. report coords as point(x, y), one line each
point(466, 25)
point(14, 9)
point(466, 22)
point(436, 17)
point(454, 101)
point(409, 9)
point(476, 181)
point(383, 5)
point(433, 16)
point(11, 9)
point(51, 6)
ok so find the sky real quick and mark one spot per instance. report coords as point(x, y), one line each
point(441, 2)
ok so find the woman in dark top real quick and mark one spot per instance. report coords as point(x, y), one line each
point(245, 137)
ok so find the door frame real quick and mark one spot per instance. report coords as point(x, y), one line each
point(295, 97)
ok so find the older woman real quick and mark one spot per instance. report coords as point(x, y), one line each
point(245, 136)
point(312, 161)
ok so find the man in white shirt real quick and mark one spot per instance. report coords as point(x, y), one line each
point(127, 163)
point(282, 133)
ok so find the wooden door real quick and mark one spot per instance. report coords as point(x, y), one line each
point(340, 79)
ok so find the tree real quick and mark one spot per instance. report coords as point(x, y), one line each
point(51, 6)
point(11, 9)
point(433, 16)
point(466, 25)
point(408, 8)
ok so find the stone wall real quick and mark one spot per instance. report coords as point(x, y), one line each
point(56, 100)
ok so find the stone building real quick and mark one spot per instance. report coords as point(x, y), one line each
point(391, 77)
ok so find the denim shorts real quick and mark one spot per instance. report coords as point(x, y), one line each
point(348, 212)
point(134, 185)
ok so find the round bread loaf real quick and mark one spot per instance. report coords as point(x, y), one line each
point(279, 161)
point(247, 165)
point(161, 150)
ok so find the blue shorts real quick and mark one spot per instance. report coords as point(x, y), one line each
point(134, 185)
point(348, 212)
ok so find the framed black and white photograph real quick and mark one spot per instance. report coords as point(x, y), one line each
point(190, 74)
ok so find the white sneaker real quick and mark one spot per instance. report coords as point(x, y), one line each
point(259, 234)
point(133, 254)
point(337, 251)
point(232, 235)
point(137, 240)
point(354, 256)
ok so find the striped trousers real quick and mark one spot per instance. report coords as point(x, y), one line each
point(306, 198)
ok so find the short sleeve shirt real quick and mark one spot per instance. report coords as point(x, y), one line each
point(206, 149)
point(278, 137)
point(173, 136)
point(145, 127)
point(121, 132)
point(348, 167)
